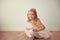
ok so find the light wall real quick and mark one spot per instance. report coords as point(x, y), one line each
point(14, 14)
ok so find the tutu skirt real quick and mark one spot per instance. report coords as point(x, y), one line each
point(44, 33)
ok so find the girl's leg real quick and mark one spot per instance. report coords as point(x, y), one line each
point(31, 38)
point(29, 34)
point(37, 35)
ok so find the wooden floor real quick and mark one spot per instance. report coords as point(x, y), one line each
point(20, 35)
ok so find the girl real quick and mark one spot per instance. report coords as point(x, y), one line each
point(37, 29)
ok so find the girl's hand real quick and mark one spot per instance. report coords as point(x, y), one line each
point(35, 30)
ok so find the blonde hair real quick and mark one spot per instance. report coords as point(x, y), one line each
point(35, 12)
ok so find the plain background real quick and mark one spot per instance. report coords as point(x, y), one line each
point(13, 14)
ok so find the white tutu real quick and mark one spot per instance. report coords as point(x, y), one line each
point(44, 33)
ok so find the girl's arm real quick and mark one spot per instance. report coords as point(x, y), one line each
point(28, 28)
point(40, 25)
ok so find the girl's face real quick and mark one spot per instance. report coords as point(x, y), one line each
point(31, 15)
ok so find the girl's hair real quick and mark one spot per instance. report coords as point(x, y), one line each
point(35, 12)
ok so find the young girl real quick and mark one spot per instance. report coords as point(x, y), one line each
point(37, 29)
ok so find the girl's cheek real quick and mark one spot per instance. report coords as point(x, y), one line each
point(33, 16)
point(30, 17)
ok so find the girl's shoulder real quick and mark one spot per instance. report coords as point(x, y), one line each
point(38, 21)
